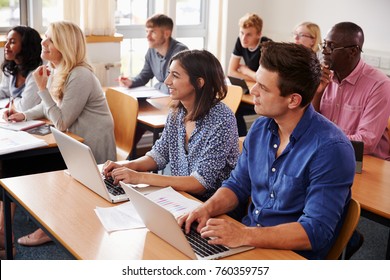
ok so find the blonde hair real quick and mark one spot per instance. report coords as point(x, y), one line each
point(314, 31)
point(251, 20)
point(69, 40)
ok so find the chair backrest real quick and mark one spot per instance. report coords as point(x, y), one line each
point(233, 97)
point(124, 110)
point(349, 225)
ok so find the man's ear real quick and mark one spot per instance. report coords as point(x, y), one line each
point(295, 100)
point(200, 82)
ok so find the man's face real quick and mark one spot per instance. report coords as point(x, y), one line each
point(336, 57)
point(266, 95)
point(249, 37)
point(157, 36)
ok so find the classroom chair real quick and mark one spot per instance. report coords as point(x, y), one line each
point(233, 97)
point(124, 110)
point(350, 224)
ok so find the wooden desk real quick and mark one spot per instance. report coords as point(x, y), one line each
point(64, 209)
point(152, 114)
point(372, 189)
point(43, 159)
point(247, 98)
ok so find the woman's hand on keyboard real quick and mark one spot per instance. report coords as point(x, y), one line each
point(108, 167)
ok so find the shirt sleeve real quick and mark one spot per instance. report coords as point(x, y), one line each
point(29, 97)
point(72, 104)
point(328, 193)
point(146, 73)
point(374, 118)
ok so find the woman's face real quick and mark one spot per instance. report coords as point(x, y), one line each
point(179, 85)
point(13, 46)
point(49, 51)
point(302, 36)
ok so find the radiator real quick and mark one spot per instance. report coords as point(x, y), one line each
point(107, 73)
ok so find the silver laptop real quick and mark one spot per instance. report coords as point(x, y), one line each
point(82, 166)
point(165, 226)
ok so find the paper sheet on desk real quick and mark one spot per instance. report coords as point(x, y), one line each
point(145, 92)
point(125, 216)
point(119, 217)
point(14, 141)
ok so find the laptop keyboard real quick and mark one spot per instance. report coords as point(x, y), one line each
point(113, 189)
point(200, 245)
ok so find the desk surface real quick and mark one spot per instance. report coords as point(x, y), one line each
point(372, 187)
point(66, 211)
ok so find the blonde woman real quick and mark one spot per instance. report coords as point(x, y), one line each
point(72, 98)
point(308, 34)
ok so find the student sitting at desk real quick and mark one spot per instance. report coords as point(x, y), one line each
point(296, 167)
point(161, 49)
point(22, 55)
point(200, 139)
point(72, 98)
point(355, 96)
point(247, 48)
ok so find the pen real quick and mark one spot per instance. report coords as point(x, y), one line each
point(11, 100)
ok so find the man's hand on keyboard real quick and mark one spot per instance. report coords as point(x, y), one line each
point(224, 232)
point(199, 216)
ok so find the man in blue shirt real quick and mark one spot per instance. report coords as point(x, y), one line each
point(296, 167)
point(161, 49)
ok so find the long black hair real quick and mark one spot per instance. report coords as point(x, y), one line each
point(29, 55)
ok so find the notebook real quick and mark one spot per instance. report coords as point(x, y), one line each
point(165, 226)
point(82, 166)
point(239, 82)
point(358, 146)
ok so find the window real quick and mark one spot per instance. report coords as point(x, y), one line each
point(9, 14)
point(189, 17)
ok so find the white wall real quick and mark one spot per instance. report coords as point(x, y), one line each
point(280, 17)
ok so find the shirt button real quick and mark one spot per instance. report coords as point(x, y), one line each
point(275, 146)
point(273, 169)
point(257, 212)
point(271, 195)
point(258, 225)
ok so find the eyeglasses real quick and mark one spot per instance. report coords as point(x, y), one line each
point(300, 35)
point(329, 48)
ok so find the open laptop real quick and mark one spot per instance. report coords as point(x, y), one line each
point(358, 146)
point(82, 166)
point(239, 82)
point(165, 226)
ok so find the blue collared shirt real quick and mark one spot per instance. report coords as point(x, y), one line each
point(212, 150)
point(308, 183)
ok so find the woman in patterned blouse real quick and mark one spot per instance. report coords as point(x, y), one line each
point(200, 138)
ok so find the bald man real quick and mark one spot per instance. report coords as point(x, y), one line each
point(355, 96)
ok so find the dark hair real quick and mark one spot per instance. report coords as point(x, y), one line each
point(352, 33)
point(298, 68)
point(202, 64)
point(160, 20)
point(29, 55)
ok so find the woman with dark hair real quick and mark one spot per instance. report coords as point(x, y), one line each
point(200, 139)
point(22, 55)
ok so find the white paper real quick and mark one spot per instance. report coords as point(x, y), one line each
point(125, 216)
point(13, 141)
point(119, 217)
